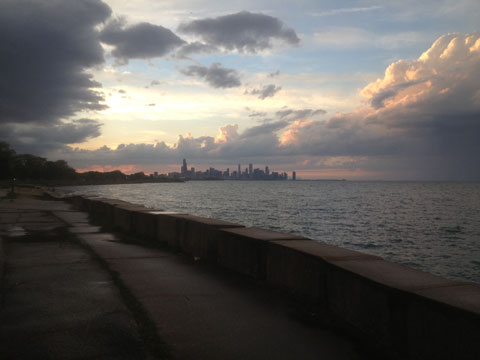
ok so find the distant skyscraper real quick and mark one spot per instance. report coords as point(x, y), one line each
point(184, 170)
point(267, 171)
point(294, 175)
point(239, 173)
point(250, 169)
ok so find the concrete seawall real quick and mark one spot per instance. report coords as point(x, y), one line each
point(403, 311)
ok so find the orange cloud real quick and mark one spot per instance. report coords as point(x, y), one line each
point(126, 169)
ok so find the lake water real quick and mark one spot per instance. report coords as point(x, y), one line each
point(425, 225)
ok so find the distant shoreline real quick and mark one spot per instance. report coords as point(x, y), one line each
point(60, 183)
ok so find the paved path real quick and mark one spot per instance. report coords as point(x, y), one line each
point(57, 301)
point(199, 311)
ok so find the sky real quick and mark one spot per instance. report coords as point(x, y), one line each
point(360, 90)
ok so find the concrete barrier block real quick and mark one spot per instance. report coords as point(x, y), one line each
point(245, 249)
point(373, 296)
point(360, 303)
point(444, 323)
point(297, 272)
point(81, 202)
point(145, 224)
point(124, 217)
point(198, 236)
point(300, 266)
point(92, 204)
point(170, 228)
point(392, 275)
point(100, 211)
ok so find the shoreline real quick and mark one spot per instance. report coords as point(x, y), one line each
point(390, 306)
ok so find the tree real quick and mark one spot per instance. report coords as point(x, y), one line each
point(7, 156)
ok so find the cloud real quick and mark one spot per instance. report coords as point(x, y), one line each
point(426, 127)
point(377, 100)
point(266, 91)
point(227, 133)
point(39, 138)
point(215, 75)
point(194, 48)
point(244, 32)
point(41, 81)
point(425, 112)
point(292, 115)
point(139, 41)
point(153, 83)
point(257, 114)
point(442, 82)
point(268, 128)
point(276, 73)
point(259, 142)
point(420, 120)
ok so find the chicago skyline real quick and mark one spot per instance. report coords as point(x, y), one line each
point(248, 174)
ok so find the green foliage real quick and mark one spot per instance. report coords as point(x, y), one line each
point(95, 177)
point(31, 167)
point(7, 156)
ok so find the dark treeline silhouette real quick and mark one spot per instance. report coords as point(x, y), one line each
point(35, 169)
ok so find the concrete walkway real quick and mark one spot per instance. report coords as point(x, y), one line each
point(63, 304)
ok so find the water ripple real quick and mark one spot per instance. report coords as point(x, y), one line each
point(426, 225)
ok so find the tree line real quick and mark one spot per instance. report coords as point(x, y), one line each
point(35, 169)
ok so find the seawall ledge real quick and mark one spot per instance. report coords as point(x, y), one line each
point(412, 313)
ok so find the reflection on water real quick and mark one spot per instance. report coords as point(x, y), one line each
point(426, 225)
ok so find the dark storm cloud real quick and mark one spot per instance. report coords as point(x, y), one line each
point(266, 91)
point(76, 131)
point(39, 138)
point(215, 75)
point(245, 32)
point(45, 48)
point(139, 41)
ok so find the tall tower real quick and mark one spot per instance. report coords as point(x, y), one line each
point(250, 170)
point(184, 168)
point(294, 175)
point(239, 173)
